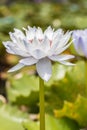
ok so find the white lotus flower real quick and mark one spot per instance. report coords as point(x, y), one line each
point(37, 47)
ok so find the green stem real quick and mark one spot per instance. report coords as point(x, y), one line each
point(42, 106)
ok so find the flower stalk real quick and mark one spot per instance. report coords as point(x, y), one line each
point(42, 104)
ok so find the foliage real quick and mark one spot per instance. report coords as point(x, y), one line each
point(23, 89)
point(11, 117)
point(53, 123)
point(14, 119)
point(76, 110)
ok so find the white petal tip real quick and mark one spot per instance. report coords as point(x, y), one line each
point(73, 64)
point(70, 64)
point(15, 68)
point(46, 77)
point(44, 69)
point(11, 70)
point(67, 63)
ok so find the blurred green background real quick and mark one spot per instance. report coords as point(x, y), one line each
point(65, 93)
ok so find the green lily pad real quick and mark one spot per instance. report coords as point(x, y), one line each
point(76, 110)
point(68, 87)
point(53, 123)
point(23, 90)
point(11, 118)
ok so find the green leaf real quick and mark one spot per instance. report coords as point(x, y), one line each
point(71, 83)
point(53, 124)
point(76, 110)
point(23, 90)
point(11, 118)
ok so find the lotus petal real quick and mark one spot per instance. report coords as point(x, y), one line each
point(44, 68)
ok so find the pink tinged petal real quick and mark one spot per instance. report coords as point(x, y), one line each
point(35, 49)
point(39, 34)
point(45, 45)
point(60, 50)
point(17, 67)
point(44, 68)
point(54, 44)
point(57, 38)
point(49, 33)
point(64, 40)
point(28, 61)
point(56, 41)
point(30, 33)
point(32, 46)
point(57, 33)
point(61, 57)
point(35, 44)
point(56, 51)
point(66, 63)
point(29, 47)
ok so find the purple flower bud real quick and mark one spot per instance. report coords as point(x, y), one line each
point(80, 42)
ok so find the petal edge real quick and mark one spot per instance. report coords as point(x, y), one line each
point(44, 68)
point(16, 67)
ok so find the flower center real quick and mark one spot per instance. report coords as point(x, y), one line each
point(40, 40)
point(31, 40)
point(50, 42)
